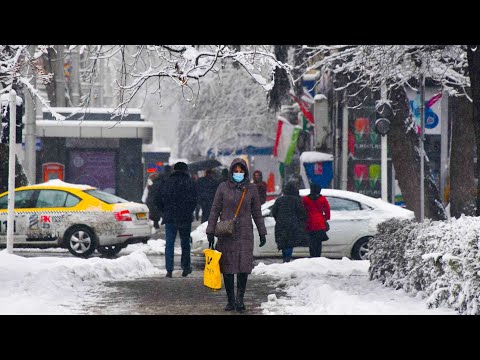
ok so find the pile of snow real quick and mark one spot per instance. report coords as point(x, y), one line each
point(321, 286)
point(315, 156)
point(152, 247)
point(58, 182)
point(437, 260)
point(57, 285)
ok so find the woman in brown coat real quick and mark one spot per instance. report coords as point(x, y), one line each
point(237, 251)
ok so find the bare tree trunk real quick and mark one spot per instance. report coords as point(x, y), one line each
point(406, 160)
point(462, 174)
point(20, 177)
point(50, 68)
point(473, 56)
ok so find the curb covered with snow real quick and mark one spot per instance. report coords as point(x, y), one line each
point(57, 285)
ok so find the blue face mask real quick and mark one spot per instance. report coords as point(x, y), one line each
point(238, 177)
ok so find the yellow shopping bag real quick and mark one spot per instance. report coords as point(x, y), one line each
point(212, 278)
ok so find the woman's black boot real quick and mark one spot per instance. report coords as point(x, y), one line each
point(241, 286)
point(228, 280)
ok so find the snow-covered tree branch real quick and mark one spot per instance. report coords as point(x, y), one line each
point(392, 65)
point(363, 69)
point(185, 65)
point(138, 65)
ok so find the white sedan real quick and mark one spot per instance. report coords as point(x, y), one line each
point(353, 222)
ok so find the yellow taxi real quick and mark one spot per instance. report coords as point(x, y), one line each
point(79, 217)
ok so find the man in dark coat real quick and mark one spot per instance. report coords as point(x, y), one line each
point(290, 216)
point(206, 188)
point(153, 193)
point(237, 251)
point(177, 201)
point(262, 186)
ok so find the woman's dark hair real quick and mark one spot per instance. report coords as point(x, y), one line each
point(315, 189)
point(241, 165)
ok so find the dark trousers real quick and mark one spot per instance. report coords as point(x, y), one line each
point(171, 234)
point(205, 213)
point(206, 207)
point(287, 254)
point(316, 238)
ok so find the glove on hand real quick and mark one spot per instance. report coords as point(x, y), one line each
point(263, 240)
point(211, 240)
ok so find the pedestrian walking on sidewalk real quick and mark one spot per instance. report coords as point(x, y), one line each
point(237, 250)
point(177, 201)
point(318, 213)
point(290, 216)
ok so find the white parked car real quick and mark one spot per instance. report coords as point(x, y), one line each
point(353, 221)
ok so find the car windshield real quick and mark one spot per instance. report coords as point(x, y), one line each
point(105, 197)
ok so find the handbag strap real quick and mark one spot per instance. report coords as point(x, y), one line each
point(240, 203)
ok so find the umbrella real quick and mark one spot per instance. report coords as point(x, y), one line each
point(203, 165)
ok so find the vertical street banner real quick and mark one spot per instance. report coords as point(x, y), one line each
point(432, 117)
point(286, 140)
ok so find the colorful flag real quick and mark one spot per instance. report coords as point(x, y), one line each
point(286, 140)
point(306, 125)
point(304, 103)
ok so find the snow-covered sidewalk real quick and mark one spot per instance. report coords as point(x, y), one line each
point(323, 286)
point(66, 285)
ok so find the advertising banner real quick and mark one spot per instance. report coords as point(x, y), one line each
point(95, 168)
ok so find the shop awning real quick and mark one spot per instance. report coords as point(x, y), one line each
point(96, 129)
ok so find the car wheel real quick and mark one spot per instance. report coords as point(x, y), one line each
point(110, 250)
point(360, 249)
point(80, 241)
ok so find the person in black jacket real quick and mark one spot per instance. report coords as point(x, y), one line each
point(153, 192)
point(290, 216)
point(206, 189)
point(177, 200)
point(147, 197)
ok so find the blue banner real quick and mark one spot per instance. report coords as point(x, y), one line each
point(320, 173)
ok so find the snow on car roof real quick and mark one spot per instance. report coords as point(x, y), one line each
point(57, 182)
point(367, 200)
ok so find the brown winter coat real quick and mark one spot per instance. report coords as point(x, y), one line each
point(237, 252)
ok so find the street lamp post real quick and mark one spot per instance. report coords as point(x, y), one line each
point(422, 151)
point(11, 171)
point(382, 126)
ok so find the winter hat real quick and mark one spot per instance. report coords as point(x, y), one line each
point(180, 166)
point(291, 188)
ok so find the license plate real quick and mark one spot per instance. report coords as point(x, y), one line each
point(141, 216)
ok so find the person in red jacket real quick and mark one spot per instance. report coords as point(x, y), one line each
point(318, 213)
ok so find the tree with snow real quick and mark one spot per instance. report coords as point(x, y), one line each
point(139, 69)
point(359, 70)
